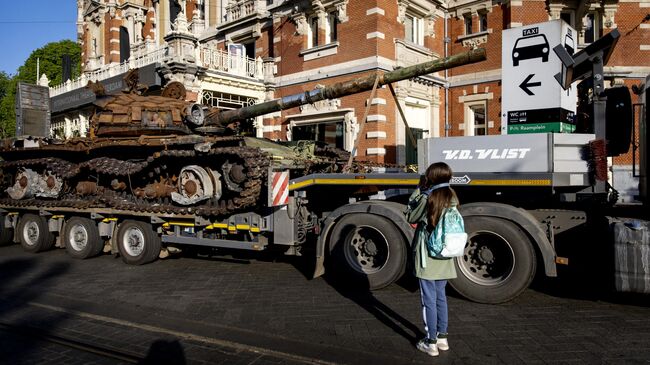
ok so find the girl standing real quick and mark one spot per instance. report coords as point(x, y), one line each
point(426, 206)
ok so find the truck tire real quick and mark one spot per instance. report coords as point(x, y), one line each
point(137, 242)
point(34, 234)
point(6, 234)
point(499, 261)
point(81, 238)
point(368, 250)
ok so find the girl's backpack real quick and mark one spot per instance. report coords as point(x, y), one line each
point(448, 238)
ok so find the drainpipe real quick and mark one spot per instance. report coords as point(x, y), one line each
point(446, 41)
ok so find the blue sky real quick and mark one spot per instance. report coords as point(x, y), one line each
point(26, 25)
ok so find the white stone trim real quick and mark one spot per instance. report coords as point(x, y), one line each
point(277, 39)
point(376, 118)
point(376, 134)
point(377, 101)
point(516, 3)
point(115, 52)
point(644, 47)
point(644, 5)
point(320, 51)
point(339, 69)
point(114, 29)
point(477, 77)
point(379, 11)
point(475, 97)
point(644, 26)
point(516, 24)
point(375, 35)
point(271, 128)
point(277, 59)
point(375, 151)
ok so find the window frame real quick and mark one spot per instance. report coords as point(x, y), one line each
point(312, 34)
point(597, 27)
point(482, 22)
point(470, 118)
point(331, 27)
point(467, 24)
point(416, 27)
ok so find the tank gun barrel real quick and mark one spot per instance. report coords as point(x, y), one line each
point(341, 89)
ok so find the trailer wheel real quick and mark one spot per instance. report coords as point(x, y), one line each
point(34, 234)
point(499, 261)
point(368, 249)
point(6, 234)
point(81, 238)
point(137, 242)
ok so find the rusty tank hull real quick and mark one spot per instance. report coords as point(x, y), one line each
point(163, 155)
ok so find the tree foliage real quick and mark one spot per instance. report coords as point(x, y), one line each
point(49, 58)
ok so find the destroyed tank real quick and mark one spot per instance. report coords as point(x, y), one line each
point(163, 155)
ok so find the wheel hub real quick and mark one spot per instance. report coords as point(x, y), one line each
point(485, 255)
point(134, 239)
point(31, 233)
point(366, 250)
point(78, 238)
point(370, 248)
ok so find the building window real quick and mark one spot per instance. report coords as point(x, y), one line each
point(329, 132)
point(568, 18)
point(592, 27)
point(331, 32)
point(468, 24)
point(414, 28)
point(482, 22)
point(476, 123)
point(478, 117)
point(312, 36)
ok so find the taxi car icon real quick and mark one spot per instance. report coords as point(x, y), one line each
point(527, 48)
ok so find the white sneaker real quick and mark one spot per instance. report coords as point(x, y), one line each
point(443, 344)
point(430, 349)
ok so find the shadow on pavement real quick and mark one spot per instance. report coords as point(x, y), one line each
point(364, 298)
point(164, 352)
point(24, 281)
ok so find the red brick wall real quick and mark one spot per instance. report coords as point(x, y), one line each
point(627, 51)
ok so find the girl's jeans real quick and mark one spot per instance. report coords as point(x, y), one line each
point(434, 307)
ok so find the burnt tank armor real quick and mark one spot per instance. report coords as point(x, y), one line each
point(163, 155)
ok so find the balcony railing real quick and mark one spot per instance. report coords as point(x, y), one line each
point(109, 71)
point(241, 9)
point(211, 58)
point(219, 60)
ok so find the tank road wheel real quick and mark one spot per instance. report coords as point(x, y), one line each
point(368, 249)
point(34, 234)
point(81, 238)
point(137, 242)
point(499, 261)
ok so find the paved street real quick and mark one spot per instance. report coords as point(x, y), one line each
point(239, 310)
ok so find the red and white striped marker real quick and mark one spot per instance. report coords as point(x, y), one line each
point(280, 188)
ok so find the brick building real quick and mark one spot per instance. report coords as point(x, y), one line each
point(231, 53)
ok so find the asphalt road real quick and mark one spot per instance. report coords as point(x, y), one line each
point(265, 310)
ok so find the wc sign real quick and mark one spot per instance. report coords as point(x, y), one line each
point(532, 100)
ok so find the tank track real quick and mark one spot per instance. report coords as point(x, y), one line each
point(255, 164)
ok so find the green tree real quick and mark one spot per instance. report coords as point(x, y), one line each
point(7, 87)
point(49, 58)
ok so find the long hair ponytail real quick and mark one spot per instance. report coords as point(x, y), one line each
point(442, 197)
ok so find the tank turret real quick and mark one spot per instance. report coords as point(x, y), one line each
point(161, 154)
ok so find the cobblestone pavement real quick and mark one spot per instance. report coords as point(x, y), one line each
point(207, 310)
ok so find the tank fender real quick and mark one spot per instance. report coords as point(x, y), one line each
point(524, 220)
point(390, 210)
